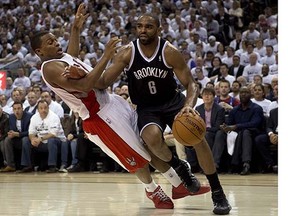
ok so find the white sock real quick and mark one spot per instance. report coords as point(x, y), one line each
point(151, 186)
point(172, 177)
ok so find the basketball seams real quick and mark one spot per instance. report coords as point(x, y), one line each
point(192, 132)
point(179, 138)
point(186, 129)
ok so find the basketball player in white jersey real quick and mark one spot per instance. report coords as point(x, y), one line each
point(108, 120)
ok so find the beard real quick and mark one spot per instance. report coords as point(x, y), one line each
point(145, 40)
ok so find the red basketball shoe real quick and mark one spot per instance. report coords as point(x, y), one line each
point(160, 199)
point(181, 191)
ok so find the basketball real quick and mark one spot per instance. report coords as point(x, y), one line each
point(189, 130)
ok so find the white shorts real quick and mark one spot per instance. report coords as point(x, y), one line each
point(114, 130)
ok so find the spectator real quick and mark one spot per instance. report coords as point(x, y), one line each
point(53, 106)
point(236, 69)
point(229, 58)
point(212, 113)
point(236, 14)
point(9, 87)
point(212, 45)
point(259, 98)
point(245, 56)
point(272, 39)
point(4, 127)
point(266, 77)
point(212, 26)
point(274, 67)
point(274, 103)
point(221, 53)
point(35, 75)
point(251, 34)
point(208, 60)
point(236, 44)
point(202, 32)
point(260, 48)
point(199, 64)
point(22, 79)
point(37, 90)
point(252, 69)
point(19, 123)
point(242, 80)
point(195, 40)
point(264, 141)
point(200, 77)
point(235, 89)
point(246, 120)
point(224, 100)
point(215, 70)
point(257, 79)
point(14, 56)
point(46, 135)
point(224, 74)
point(32, 100)
point(269, 58)
point(69, 124)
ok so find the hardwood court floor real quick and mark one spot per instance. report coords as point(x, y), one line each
point(86, 194)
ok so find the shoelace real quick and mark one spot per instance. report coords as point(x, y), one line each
point(160, 194)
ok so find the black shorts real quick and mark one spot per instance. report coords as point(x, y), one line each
point(160, 115)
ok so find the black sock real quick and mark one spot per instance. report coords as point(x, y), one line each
point(214, 181)
point(174, 162)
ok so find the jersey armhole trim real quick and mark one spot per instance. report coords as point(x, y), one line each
point(163, 56)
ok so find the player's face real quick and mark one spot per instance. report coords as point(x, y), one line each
point(147, 30)
point(50, 47)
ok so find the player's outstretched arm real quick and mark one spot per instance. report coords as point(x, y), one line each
point(76, 28)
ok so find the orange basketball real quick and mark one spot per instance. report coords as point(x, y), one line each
point(189, 130)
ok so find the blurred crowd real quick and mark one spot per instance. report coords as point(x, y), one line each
point(232, 40)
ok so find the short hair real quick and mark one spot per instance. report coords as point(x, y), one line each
point(35, 86)
point(35, 39)
point(17, 102)
point(153, 16)
point(224, 64)
point(208, 90)
point(42, 101)
point(225, 81)
point(236, 81)
point(210, 83)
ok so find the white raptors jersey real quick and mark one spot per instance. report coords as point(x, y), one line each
point(80, 102)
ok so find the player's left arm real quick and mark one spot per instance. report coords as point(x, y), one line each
point(76, 28)
point(175, 59)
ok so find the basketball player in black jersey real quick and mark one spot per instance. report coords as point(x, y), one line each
point(150, 63)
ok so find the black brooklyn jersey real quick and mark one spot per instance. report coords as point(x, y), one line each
point(150, 81)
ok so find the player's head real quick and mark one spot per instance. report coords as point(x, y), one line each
point(148, 28)
point(46, 45)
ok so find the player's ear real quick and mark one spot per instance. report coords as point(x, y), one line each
point(38, 52)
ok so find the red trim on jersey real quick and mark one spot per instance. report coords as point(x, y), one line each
point(126, 155)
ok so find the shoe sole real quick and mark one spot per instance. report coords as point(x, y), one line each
point(223, 212)
point(202, 190)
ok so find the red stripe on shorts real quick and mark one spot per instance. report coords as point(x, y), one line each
point(126, 155)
